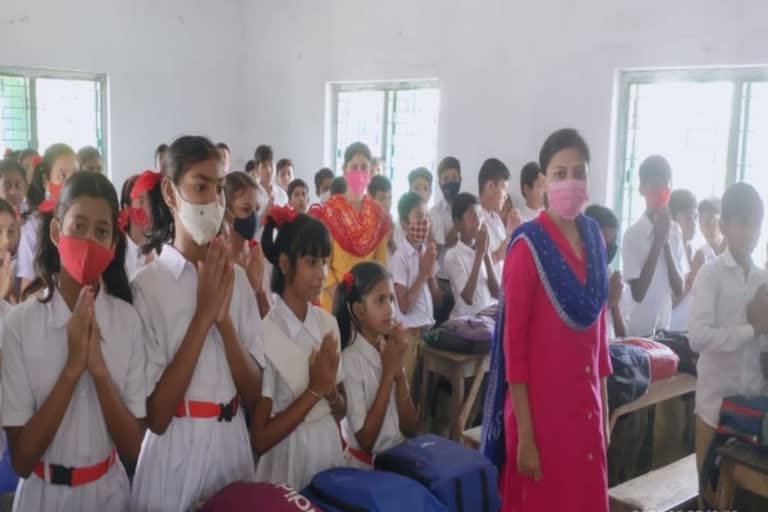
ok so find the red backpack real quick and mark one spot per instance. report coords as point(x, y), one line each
point(257, 497)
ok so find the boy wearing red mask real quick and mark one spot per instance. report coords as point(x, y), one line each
point(414, 267)
point(652, 253)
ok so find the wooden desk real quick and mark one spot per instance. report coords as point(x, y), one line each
point(677, 385)
point(742, 467)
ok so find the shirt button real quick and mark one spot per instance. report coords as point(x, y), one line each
point(589, 416)
point(588, 369)
point(589, 456)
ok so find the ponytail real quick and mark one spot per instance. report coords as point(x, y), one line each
point(352, 289)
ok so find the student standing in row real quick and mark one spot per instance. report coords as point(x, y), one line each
point(652, 253)
point(709, 224)
point(729, 316)
point(323, 179)
point(268, 194)
point(73, 361)
point(201, 338)
point(89, 159)
point(444, 231)
point(294, 425)
point(493, 182)
point(532, 188)
point(683, 208)
point(284, 172)
point(298, 196)
point(136, 218)
point(380, 412)
point(550, 358)
point(13, 184)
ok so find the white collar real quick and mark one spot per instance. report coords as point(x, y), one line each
point(292, 322)
point(173, 260)
point(367, 350)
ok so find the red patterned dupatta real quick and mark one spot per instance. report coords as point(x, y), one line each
point(356, 233)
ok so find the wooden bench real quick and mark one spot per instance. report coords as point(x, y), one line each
point(742, 467)
point(456, 368)
point(673, 487)
point(678, 385)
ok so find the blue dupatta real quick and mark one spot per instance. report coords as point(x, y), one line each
point(578, 306)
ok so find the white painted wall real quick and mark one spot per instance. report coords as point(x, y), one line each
point(510, 71)
point(175, 66)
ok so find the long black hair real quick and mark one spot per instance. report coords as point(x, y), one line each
point(185, 152)
point(365, 276)
point(36, 190)
point(302, 236)
point(47, 261)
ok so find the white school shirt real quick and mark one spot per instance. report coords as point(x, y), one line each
point(196, 457)
point(312, 447)
point(404, 267)
point(134, 259)
point(34, 354)
point(441, 220)
point(497, 234)
point(729, 351)
point(27, 248)
point(679, 318)
point(458, 264)
point(656, 309)
point(262, 196)
point(528, 214)
point(5, 307)
point(363, 367)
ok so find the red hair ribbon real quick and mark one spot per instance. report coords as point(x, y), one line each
point(36, 160)
point(280, 215)
point(123, 219)
point(349, 280)
point(145, 182)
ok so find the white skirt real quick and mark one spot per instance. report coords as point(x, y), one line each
point(110, 492)
point(308, 450)
point(191, 462)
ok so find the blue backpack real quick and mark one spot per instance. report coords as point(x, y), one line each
point(463, 479)
point(357, 490)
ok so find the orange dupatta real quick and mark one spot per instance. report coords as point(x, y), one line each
point(356, 233)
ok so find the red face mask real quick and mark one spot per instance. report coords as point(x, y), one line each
point(83, 259)
point(657, 198)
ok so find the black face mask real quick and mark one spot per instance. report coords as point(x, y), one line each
point(246, 227)
point(611, 249)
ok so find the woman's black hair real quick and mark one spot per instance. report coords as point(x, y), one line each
point(185, 152)
point(234, 182)
point(303, 236)
point(297, 183)
point(365, 276)
point(36, 190)
point(356, 148)
point(565, 138)
point(47, 261)
point(8, 166)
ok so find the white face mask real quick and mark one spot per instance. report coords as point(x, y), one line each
point(324, 196)
point(202, 221)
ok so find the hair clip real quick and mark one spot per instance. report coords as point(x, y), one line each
point(280, 215)
point(349, 280)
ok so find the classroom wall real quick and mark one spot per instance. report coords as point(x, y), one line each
point(174, 66)
point(510, 72)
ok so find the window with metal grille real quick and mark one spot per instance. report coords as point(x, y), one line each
point(397, 120)
point(707, 123)
point(40, 107)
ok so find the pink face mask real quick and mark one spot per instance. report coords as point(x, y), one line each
point(567, 197)
point(358, 181)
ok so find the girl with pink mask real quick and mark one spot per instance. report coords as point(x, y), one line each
point(359, 226)
point(550, 360)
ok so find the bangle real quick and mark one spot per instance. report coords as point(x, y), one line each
point(314, 394)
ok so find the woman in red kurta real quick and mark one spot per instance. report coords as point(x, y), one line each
point(555, 353)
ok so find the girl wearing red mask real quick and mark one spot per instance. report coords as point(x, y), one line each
point(359, 226)
point(136, 218)
point(58, 163)
point(202, 328)
point(550, 355)
point(73, 361)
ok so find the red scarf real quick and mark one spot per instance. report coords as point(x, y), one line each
point(356, 233)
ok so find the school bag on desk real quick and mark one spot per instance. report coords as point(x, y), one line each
point(631, 374)
point(680, 345)
point(664, 361)
point(464, 334)
point(258, 497)
point(358, 490)
point(464, 480)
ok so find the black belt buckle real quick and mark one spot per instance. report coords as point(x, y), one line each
point(61, 475)
point(228, 411)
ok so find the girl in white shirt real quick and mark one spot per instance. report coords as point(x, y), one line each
point(201, 326)
point(294, 426)
point(9, 245)
point(73, 361)
point(136, 218)
point(13, 184)
point(380, 412)
point(59, 162)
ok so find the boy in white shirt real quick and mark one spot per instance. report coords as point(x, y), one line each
point(267, 194)
point(443, 229)
point(532, 188)
point(729, 316)
point(470, 269)
point(380, 189)
point(709, 224)
point(413, 268)
point(652, 253)
point(493, 184)
point(684, 210)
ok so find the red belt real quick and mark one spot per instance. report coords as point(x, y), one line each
point(223, 412)
point(361, 455)
point(73, 477)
